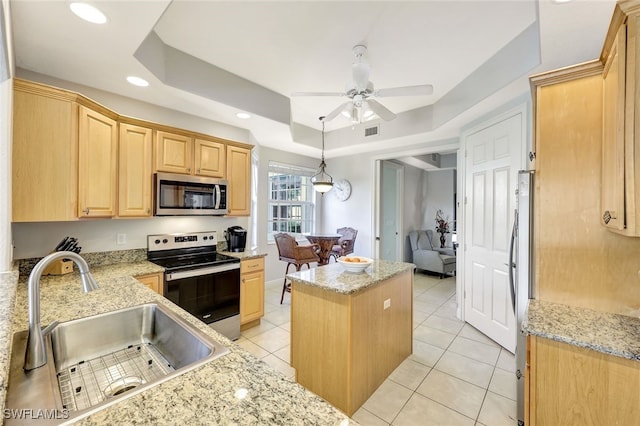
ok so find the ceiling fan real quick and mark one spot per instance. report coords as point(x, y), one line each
point(361, 105)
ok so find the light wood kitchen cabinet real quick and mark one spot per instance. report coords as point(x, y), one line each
point(134, 171)
point(620, 200)
point(188, 155)
point(154, 281)
point(251, 292)
point(239, 178)
point(569, 385)
point(173, 153)
point(97, 162)
point(45, 154)
point(210, 158)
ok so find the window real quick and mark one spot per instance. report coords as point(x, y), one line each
point(291, 200)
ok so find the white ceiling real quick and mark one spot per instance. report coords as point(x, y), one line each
point(276, 48)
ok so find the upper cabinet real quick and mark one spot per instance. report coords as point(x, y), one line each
point(97, 162)
point(175, 153)
point(134, 171)
point(620, 192)
point(239, 177)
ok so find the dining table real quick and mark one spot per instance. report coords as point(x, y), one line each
point(325, 243)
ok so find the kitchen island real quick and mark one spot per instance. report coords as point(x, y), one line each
point(236, 388)
point(349, 331)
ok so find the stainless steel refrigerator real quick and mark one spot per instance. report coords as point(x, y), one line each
point(521, 273)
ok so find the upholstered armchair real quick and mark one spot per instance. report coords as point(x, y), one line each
point(289, 251)
point(345, 244)
point(427, 257)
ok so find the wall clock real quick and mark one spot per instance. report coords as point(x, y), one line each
point(342, 189)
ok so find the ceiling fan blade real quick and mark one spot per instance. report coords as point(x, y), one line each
point(423, 89)
point(336, 94)
point(380, 110)
point(333, 114)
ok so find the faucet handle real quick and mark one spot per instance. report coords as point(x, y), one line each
point(48, 329)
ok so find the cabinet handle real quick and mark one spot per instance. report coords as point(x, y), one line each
point(244, 280)
point(86, 211)
point(189, 169)
point(148, 210)
point(607, 216)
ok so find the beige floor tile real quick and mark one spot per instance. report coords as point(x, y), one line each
point(365, 418)
point(425, 353)
point(504, 383)
point(273, 339)
point(498, 410)
point(472, 333)
point(284, 354)
point(259, 329)
point(475, 350)
point(433, 297)
point(252, 348)
point(423, 411)
point(427, 308)
point(444, 324)
point(432, 336)
point(387, 401)
point(453, 393)
point(410, 374)
point(286, 326)
point(279, 316)
point(464, 368)
point(280, 366)
point(419, 317)
point(448, 310)
point(507, 361)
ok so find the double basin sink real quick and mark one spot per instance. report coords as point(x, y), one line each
point(96, 361)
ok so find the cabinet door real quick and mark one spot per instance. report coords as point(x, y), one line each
point(97, 149)
point(134, 171)
point(239, 177)
point(173, 153)
point(613, 171)
point(209, 158)
point(153, 281)
point(251, 296)
point(45, 155)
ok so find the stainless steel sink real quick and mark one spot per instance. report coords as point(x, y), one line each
point(98, 360)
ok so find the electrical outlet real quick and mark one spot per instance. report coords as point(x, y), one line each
point(387, 304)
point(121, 239)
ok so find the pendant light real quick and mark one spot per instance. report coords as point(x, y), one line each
point(322, 181)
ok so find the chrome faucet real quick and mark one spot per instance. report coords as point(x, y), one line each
point(36, 354)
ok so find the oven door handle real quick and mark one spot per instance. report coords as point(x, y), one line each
point(171, 276)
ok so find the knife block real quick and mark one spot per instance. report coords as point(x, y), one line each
point(60, 267)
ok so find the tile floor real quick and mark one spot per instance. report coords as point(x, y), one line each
point(455, 376)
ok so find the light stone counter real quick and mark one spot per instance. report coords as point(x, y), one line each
point(8, 285)
point(243, 255)
point(205, 395)
point(609, 333)
point(333, 276)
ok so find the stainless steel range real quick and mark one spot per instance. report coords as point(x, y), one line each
point(200, 280)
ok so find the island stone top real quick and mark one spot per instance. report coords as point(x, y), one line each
point(236, 388)
point(334, 277)
point(609, 333)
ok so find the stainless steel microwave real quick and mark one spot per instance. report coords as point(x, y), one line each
point(183, 195)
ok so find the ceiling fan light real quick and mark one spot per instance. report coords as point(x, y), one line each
point(368, 114)
point(88, 12)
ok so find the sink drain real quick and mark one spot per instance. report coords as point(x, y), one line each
point(122, 385)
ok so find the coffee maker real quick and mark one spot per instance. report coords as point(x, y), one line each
point(236, 237)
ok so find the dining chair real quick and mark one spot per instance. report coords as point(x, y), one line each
point(289, 251)
point(345, 244)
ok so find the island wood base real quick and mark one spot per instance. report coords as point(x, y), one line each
point(343, 346)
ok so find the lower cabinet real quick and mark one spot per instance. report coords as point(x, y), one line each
point(568, 385)
point(154, 281)
point(251, 291)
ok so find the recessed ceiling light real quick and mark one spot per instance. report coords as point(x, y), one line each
point(243, 115)
point(137, 81)
point(88, 13)
point(561, 1)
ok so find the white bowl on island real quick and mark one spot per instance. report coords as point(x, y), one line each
point(354, 263)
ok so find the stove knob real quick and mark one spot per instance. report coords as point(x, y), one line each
point(211, 237)
point(157, 241)
point(205, 238)
point(165, 241)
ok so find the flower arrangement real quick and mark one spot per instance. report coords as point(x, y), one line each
point(442, 222)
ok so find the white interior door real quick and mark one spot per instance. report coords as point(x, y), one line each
point(493, 158)
point(391, 181)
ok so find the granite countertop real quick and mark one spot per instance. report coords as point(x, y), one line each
point(613, 334)
point(333, 277)
point(205, 395)
point(8, 285)
point(247, 254)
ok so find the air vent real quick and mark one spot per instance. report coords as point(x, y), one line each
point(371, 131)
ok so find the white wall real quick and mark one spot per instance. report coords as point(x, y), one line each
point(6, 118)
point(440, 189)
point(415, 192)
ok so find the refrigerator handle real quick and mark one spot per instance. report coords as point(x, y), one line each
point(512, 265)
